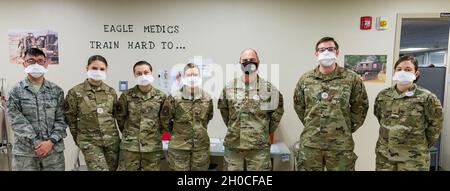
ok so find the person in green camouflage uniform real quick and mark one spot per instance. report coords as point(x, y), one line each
point(90, 114)
point(36, 113)
point(138, 117)
point(331, 102)
point(252, 109)
point(410, 119)
point(186, 114)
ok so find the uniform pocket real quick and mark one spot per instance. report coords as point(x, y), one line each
point(51, 107)
point(204, 110)
point(150, 129)
point(413, 107)
point(184, 112)
point(385, 106)
point(312, 93)
point(28, 105)
point(151, 108)
point(340, 95)
point(87, 108)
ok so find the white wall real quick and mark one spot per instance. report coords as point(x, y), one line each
point(283, 32)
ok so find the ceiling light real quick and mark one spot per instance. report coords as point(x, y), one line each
point(412, 49)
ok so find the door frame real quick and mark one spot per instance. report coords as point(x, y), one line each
point(444, 156)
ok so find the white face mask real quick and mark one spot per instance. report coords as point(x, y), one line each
point(144, 80)
point(96, 75)
point(192, 81)
point(327, 58)
point(404, 78)
point(35, 70)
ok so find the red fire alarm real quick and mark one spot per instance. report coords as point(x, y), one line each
point(366, 23)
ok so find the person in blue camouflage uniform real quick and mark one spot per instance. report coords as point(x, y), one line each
point(410, 119)
point(138, 117)
point(252, 108)
point(186, 114)
point(36, 113)
point(332, 104)
point(90, 110)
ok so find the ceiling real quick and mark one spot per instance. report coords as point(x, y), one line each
point(424, 33)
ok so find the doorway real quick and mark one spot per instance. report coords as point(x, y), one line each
point(426, 36)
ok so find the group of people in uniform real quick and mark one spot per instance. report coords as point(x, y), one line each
point(330, 101)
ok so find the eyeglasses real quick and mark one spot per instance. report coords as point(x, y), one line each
point(33, 61)
point(330, 49)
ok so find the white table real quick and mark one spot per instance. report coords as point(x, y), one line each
point(278, 149)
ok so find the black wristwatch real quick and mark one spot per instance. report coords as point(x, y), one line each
point(52, 140)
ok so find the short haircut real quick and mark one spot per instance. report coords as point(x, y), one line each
point(140, 63)
point(34, 52)
point(191, 65)
point(326, 39)
point(249, 49)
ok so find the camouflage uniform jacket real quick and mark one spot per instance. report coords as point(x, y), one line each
point(251, 112)
point(138, 116)
point(36, 117)
point(410, 122)
point(90, 113)
point(331, 107)
point(186, 116)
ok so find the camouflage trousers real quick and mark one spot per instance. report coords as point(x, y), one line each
point(418, 164)
point(138, 161)
point(188, 160)
point(100, 158)
point(251, 160)
point(312, 159)
point(52, 162)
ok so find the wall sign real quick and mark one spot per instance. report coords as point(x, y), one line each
point(144, 44)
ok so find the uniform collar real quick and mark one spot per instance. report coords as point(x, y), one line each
point(136, 92)
point(88, 86)
point(27, 83)
point(240, 84)
point(337, 73)
point(198, 94)
point(411, 92)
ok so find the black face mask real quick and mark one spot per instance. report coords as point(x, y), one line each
point(249, 67)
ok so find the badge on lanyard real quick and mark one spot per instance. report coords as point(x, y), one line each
point(324, 95)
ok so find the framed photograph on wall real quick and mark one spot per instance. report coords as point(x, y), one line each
point(371, 68)
point(20, 40)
